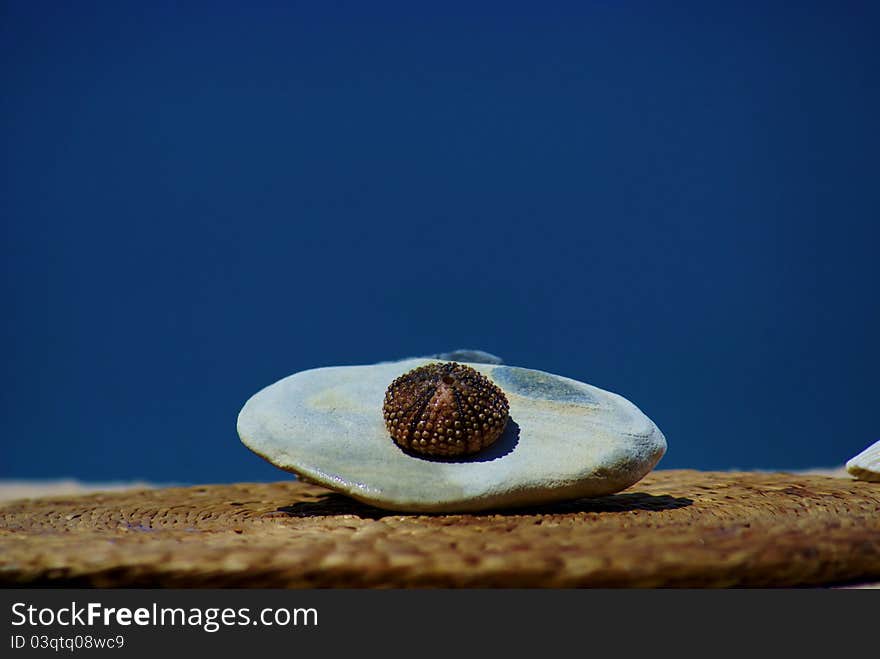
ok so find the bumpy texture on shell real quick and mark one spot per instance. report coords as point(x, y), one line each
point(445, 409)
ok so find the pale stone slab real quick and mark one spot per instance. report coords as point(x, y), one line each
point(565, 439)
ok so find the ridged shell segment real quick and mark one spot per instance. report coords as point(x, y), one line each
point(444, 409)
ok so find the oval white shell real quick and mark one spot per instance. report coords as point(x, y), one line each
point(866, 465)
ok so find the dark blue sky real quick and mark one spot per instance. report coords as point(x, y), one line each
point(678, 202)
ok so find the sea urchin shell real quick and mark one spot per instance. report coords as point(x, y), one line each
point(444, 409)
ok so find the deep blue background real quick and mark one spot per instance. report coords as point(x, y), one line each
point(676, 202)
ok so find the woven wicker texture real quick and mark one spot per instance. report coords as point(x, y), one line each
point(674, 528)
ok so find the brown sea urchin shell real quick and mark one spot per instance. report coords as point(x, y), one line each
point(444, 409)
